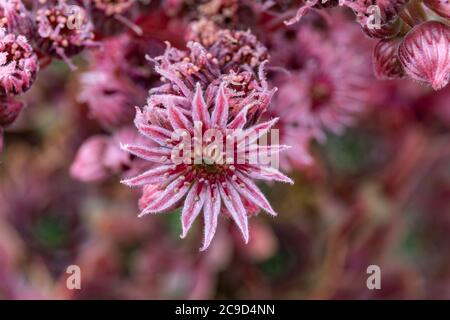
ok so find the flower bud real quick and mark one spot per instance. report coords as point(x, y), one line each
point(379, 19)
point(425, 54)
point(385, 60)
point(18, 64)
point(9, 110)
point(384, 30)
point(441, 7)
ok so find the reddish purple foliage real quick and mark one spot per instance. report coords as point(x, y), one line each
point(356, 111)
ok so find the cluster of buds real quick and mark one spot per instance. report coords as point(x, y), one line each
point(230, 48)
point(415, 43)
point(414, 36)
point(423, 55)
point(52, 29)
point(244, 84)
point(18, 62)
point(15, 18)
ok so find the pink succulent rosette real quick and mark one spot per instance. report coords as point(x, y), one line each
point(207, 185)
point(116, 81)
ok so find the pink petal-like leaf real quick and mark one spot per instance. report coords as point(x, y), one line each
point(255, 132)
point(178, 120)
point(251, 192)
point(199, 108)
point(221, 108)
point(173, 78)
point(157, 154)
point(157, 175)
point(171, 195)
point(240, 120)
point(263, 151)
point(192, 206)
point(88, 164)
point(155, 133)
point(267, 173)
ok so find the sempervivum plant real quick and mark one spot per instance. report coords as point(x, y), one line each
point(414, 37)
point(378, 19)
point(191, 119)
point(204, 177)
